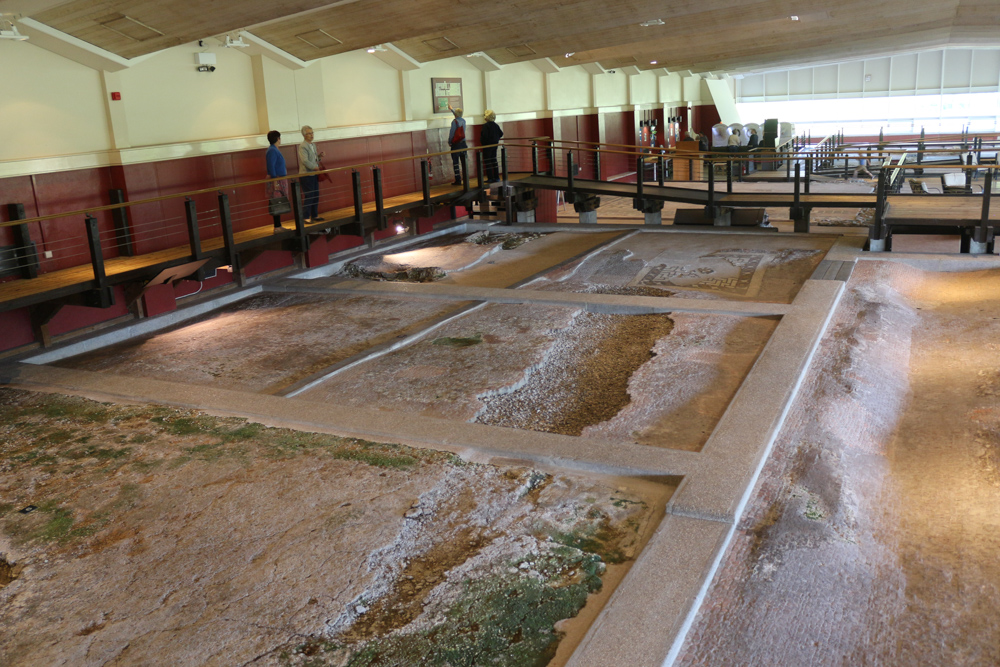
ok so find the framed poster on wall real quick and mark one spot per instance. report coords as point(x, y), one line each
point(445, 92)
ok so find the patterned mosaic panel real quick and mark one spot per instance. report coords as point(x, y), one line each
point(735, 271)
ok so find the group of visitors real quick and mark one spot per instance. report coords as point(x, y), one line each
point(489, 137)
point(310, 156)
point(309, 163)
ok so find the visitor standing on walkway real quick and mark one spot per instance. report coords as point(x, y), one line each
point(308, 163)
point(488, 138)
point(275, 162)
point(456, 142)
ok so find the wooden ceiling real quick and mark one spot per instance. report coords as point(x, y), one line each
point(696, 35)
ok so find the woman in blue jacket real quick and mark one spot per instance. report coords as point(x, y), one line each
point(275, 169)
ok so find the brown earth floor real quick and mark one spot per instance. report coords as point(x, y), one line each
point(873, 532)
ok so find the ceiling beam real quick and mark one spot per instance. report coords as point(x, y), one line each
point(394, 57)
point(258, 47)
point(74, 49)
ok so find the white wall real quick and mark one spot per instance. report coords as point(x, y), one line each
point(168, 101)
point(571, 88)
point(359, 89)
point(948, 71)
point(49, 105)
point(517, 88)
point(610, 89)
point(643, 88)
point(472, 87)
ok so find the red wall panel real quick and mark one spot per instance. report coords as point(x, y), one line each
point(16, 328)
point(71, 318)
point(67, 237)
point(18, 190)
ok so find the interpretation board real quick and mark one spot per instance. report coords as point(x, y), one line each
point(445, 92)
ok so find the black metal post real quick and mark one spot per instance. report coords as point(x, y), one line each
point(300, 223)
point(795, 196)
point(729, 176)
point(847, 159)
point(480, 171)
point(877, 228)
point(359, 204)
point(27, 256)
point(984, 220)
point(710, 209)
point(638, 178)
point(534, 158)
point(123, 232)
point(659, 170)
point(809, 168)
point(968, 173)
point(194, 234)
point(425, 182)
point(570, 171)
point(102, 296)
point(380, 205)
point(226, 220)
point(464, 161)
point(597, 163)
point(503, 163)
point(788, 166)
point(552, 160)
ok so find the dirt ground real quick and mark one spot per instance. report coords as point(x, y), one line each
point(291, 336)
point(882, 492)
point(147, 535)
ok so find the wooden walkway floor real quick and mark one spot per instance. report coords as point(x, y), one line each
point(78, 279)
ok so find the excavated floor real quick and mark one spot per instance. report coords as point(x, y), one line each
point(147, 535)
point(748, 267)
point(872, 534)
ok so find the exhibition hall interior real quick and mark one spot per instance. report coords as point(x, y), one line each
point(360, 333)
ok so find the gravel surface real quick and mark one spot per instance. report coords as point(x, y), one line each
point(584, 377)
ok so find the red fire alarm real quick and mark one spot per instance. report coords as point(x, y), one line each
point(116, 96)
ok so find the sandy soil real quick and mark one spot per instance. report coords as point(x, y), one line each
point(288, 338)
point(873, 531)
point(165, 537)
point(748, 267)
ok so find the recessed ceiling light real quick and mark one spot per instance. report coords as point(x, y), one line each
point(652, 62)
point(646, 24)
point(571, 54)
point(794, 18)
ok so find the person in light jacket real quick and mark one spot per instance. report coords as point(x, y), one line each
point(459, 145)
point(308, 163)
point(490, 135)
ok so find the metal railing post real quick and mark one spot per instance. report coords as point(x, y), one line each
point(425, 182)
point(552, 159)
point(534, 158)
point(480, 171)
point(638, 178)
point(25, 251)
point(570, 171)
point(503, 163)
point(809, 171)
point(984, 220)
point(123, 232)
point(104, 297)
point(194, 234)
point(597, 163)
point(226, 220)
point(300, 224)
point(659, 170)
point(359, 205)
point(380, 204)
point(463, 159)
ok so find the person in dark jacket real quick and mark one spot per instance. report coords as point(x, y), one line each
point(459, 145)
point(275, 163)
point(702, 143)
point(490, 135)
point(753, 141)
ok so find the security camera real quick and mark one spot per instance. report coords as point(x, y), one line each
point(611, 71)
point(206, 68)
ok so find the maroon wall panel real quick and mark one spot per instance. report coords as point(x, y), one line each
point(18, 190)
point(705, 116)
point(269, 260)
point(16, 328)
point(71, 318)
point(67, 237)
point(618, 129)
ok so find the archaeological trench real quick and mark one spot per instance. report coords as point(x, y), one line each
point(547, 445)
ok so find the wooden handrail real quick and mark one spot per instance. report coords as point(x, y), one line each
point(150, 200)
